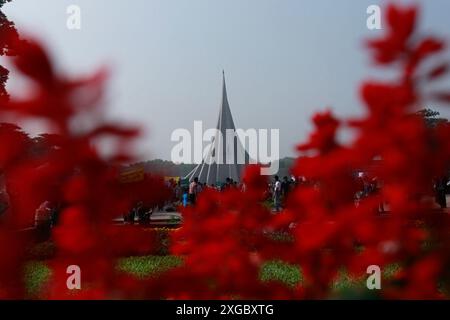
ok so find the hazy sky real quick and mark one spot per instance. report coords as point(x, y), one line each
point(283, 59)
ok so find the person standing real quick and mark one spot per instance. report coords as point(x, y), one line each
point(178, 191)
point(227, 184)
point(441, 192)
point(277, 194)
point(43, 220)
point(193, 190)
point(285, 187)
point(185, 199)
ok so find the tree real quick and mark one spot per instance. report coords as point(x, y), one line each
point(432, 118)
point(8, 39)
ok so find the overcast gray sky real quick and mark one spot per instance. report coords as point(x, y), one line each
point(284, 59)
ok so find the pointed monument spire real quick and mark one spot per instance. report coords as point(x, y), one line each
point(224, 90)
point(225, 117)
point(214, 169)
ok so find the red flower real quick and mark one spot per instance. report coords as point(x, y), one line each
point(324, 138)
point(401, 25)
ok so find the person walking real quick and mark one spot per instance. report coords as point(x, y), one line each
point(277, 194)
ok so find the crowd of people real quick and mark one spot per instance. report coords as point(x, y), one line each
point(276, 189)
point(276, 193)
point(279, 189)
point(196, 187)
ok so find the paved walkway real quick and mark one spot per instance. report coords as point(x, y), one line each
point(159, 219)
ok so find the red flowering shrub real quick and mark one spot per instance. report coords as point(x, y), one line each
point(331, 233)
point(412, 156)
point(71, 174)
point(226, 237)
point(222, 240)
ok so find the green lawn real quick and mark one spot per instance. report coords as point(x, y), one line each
point(147, 266)
point(37, 273)
point(281, 271)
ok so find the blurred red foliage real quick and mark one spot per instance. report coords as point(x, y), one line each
point(331, 233)
point(73, 175)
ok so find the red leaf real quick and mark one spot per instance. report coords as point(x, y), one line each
point(438, 71)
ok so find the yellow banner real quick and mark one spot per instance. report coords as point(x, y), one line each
point(134, 174)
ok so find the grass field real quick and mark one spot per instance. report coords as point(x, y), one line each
point(37, 273)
